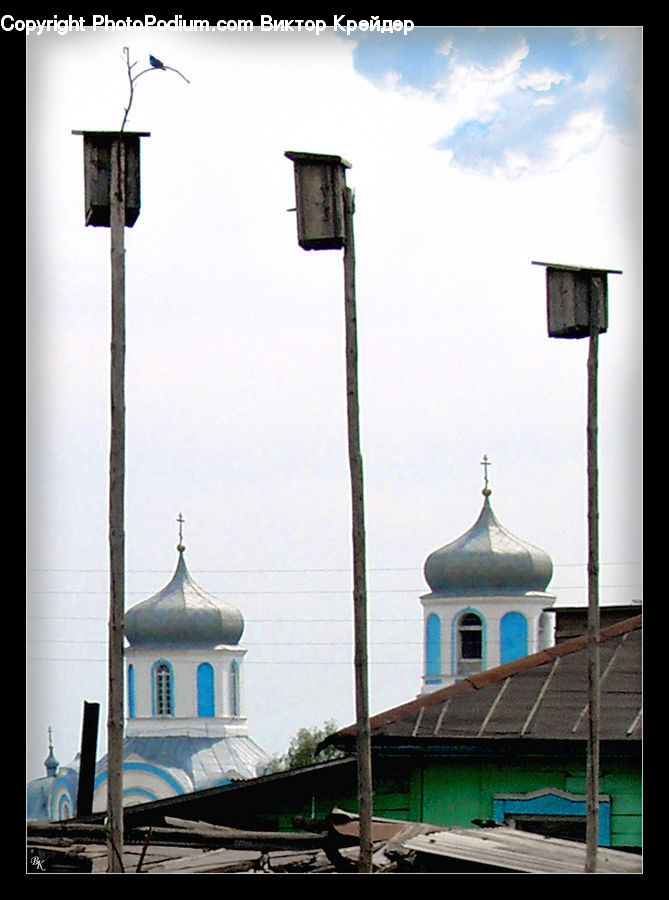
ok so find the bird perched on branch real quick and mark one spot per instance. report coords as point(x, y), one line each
point(156, 63)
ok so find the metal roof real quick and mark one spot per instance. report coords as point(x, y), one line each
point(205, 760)
point(488, 559)
point(500, 848)
point(182, 614)
point(520, 851)
point(543, 696)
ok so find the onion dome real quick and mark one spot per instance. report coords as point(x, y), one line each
point(488, 559)
point(51, 763)
point(183, 615)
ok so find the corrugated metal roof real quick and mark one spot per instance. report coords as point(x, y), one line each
point(520, 851)
point(542, 696)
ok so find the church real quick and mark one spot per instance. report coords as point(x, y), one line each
point(186, 728)
point(487, 604)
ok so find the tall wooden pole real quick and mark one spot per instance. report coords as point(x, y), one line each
point(363, 741)
point(116, 512)
point(592, 775)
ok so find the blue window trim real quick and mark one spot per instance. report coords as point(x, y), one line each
point(455, 634)
point(513, 631)
point(154, 698)
point(131, 691)
point(553, 802)
point(205, 690)
point(433, 649)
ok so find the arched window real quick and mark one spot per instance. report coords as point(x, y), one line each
point(163, 689)
point(433, 649)
point(63, 808)
point(513, 636)
point(235, 702)
point(205, 690)
point(469, 644)
point(131, 691)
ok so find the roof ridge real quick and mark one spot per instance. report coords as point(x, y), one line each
point(497, 674)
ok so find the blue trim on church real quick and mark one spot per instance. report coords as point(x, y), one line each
point(205, 690)
point(513, 636)
point(168, 689)
point(433, 649)
point(143, 767)
point(131, 691)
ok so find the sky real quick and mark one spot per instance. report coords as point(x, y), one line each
point(474, 151)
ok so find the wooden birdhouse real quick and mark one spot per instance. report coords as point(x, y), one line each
point(320, 181)
point(573, 294)
point(97, 174)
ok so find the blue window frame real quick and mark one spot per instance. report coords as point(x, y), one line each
point(205, 690)
point(549, 805)
point(513, 636)
point(433, 649)
point(162, 680)
point(131, 691)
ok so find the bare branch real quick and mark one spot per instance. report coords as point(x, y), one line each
point(126, 50)
point(178, 73)
point(133, 78)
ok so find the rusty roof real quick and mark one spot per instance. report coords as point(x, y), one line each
point(543, 696)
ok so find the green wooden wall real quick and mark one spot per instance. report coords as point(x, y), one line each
point(445, 790)
point(451, 791)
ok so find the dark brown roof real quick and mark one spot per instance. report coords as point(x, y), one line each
point(543, 696)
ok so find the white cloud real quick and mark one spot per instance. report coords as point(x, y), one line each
point(445, 47)
point(542, 80)
point(583, 133)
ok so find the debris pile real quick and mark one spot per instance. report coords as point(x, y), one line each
point(326, 846)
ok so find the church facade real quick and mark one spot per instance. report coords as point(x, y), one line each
point(487, 604)
point(186, 727)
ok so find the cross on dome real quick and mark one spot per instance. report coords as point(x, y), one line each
point(485, 462)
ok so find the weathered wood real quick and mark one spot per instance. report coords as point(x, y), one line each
point(594, 699)
point(116, 514)
point(42, 858)
point(319, 192)
point(325, 221)
point(98, 153)
point(363, 736)
point(204, 834)
point(574, 295)
point(69, 830)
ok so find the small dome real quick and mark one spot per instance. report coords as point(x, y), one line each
point(183, 615)
point(488, 559)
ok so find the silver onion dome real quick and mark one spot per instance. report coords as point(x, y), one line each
point(183, 615)
point(488, 559)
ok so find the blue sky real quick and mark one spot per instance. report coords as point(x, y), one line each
point(546, 93)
